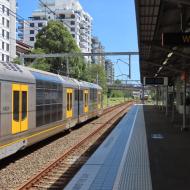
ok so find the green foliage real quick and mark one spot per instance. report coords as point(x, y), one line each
point(55, 38)
point(17, 61)
point(117, 93)
point(40, 63)
point(95, 73)
point(117, 81)
point(128, 93)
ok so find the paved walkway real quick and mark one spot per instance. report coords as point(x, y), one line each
point(169, 152)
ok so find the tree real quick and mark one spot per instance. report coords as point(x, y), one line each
point(95, 73)
point(117, 93)
point(17, 61)
point(117, 81)
point(55, 38)
point(40, 63)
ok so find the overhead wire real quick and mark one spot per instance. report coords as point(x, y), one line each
point(54, 13)
point(19, 17)
point(117, 63)
point(16, 15)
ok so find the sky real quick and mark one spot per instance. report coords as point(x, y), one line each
point(114, 23)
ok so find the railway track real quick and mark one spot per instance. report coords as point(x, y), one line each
point(108, 109)
point(58, 173)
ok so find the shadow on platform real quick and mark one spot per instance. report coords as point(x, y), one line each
point(169, 151)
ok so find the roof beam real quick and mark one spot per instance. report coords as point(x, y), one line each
point(76, 54)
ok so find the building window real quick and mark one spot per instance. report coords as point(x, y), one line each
point(3, 57)
point(7, 35)
point(3, 21)
point(7, 11)
point(72, 22)
point(8, 23)
point(40, 24)
point(31, 31)
point(7, 47)
point(73, 35)
point(62, 16)
point(72, 29)
point(7, 58)
point(32, 39)
point(3, 8)
point(32, 24)
point(72, 16)
point(3, 33)
point(3, 45)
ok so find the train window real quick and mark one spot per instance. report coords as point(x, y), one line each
point(68, 99)
point(39, 116)
point(24, 105)
point(60, 111)
point(76, 95)
point(99, 98)
point(40, 96)
point(47, 114)
point(80, 95)
point(95, 95)
point(54, 113)
point(85, 99)
point(16, 103)
point(71, 101)
point(60, 97)
point(48, 95)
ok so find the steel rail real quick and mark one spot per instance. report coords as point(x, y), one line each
point(108, 109)
point(36, 179)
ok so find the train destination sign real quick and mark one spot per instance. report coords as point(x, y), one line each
point(156, 81)
point(176, 39)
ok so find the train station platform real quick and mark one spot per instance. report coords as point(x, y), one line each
point(144, 152)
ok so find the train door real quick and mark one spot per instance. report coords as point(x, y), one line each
point(85, 101)
point(69, 103)
point(99, 100)
point(19, 108)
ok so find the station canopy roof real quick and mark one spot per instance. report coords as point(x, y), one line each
point(155, 17)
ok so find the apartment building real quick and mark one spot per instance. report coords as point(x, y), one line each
point(7, 30)
point(69, 12)
point(97, 47)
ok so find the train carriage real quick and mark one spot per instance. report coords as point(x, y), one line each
point(36, 104)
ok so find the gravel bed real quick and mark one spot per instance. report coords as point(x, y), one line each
point(14, 174)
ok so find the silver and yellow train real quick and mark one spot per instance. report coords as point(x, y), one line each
point(36, 104)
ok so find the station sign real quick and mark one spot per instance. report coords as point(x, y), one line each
point(176, 39)
point(156, 81)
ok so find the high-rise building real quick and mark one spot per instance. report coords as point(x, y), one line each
point(109, 69)
point(70, 12)
point(7, 30)
point(97, 48)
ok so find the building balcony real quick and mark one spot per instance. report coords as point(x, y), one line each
point(82, 31)
point(83, 39)
point(21, 27)
point(20, 35)
point(82, 45)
